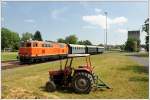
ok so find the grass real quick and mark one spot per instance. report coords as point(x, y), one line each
point(7, 56)
point(143, 54)
point(126, 77)
point(138, 54)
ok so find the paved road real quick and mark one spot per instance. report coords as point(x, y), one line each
point(141, 60)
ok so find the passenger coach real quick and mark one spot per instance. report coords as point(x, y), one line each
point(100, 49)
point(76, 49)
point(91, 49)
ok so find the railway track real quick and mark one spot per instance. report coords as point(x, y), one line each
point(15, 63)
point(11, 64)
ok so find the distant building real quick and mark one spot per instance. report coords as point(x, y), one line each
point(134, 34)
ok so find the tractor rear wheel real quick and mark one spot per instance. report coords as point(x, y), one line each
point(82, 82)
point(50, 86)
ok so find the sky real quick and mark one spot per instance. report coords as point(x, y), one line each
point(86, 20)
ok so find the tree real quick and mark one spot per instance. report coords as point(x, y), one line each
point(132, 45)
point(85, 42)
point(72, 39)
point(146, 29)
point(9, 39)
point(37, 36)
point(26, 36)
point(122, 47)
point(101, 45)
point(61, 40)
point(80, 42)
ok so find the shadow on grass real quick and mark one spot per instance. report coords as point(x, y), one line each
point(136, 69)
point(137, 78)
point(68, 90)
point(59, 89)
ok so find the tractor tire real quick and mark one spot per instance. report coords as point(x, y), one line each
point(82, 82)
point(50, 86)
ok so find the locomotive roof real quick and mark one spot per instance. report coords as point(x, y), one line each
point(42, 41)
point(77, 55)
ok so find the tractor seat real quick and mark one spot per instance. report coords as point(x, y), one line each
point(83, 66)
point(57, 72)
point(80, 66)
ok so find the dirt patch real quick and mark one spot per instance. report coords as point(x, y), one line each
point(20, 93)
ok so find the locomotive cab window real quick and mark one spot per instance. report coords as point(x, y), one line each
point(34, 44)
point(28, 44)
point(61, 46)
point(50, 45)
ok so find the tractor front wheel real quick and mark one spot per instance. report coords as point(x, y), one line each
point(82, 82)
point(50, 86)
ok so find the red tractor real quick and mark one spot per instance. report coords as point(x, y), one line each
point(81, 79)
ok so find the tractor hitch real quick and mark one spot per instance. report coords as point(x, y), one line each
point(98, 83)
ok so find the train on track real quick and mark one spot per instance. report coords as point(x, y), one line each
point(34, 51)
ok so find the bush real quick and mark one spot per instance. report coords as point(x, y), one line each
point(132, 45)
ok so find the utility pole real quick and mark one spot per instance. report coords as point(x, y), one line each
point(106, 31)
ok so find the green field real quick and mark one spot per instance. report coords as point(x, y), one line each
point(7, 56)
point(142, 54)
point(126, 77)
point(138, 54)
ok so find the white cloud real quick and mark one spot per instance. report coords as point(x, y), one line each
point(100, 20)
point(119, 20)
point(97, 10)
point(121, 30)
point(29, 20)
